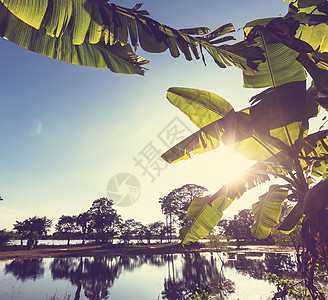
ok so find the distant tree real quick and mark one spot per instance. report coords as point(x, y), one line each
point(105, 219)
point(84, 224)
point(239, 227)
point(22, 230)
point(66, 227)
point(5, 237)
point(140, 231)
point(157, 230)
point(128, 230)
point(32, 229)
point(176, 203)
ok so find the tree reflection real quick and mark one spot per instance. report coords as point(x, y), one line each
point(97, 274)
point(25, 269)
point(257, 266)
point(186, 273)
point(198, 274)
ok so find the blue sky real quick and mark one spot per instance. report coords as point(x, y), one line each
point(66, 130)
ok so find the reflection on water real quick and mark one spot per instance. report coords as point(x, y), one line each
point(25, 269)
point(257, 264)
point(167, 276)
point(198, 273)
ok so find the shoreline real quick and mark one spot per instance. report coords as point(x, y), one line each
point(44, 251)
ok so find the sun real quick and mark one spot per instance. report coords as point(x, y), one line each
point(220, 166)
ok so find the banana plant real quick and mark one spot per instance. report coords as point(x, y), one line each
point(278, 144)
point(273, 131)
point(98, 34)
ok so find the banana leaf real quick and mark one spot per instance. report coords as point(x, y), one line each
point(118, 58)
point(201, 107)
point(283, 112)
point(206, 212)
point(314, 153)
point(311, 32)
point(98, 22)
point(280, 66)
point(292, 219)
point(267, 211)
point(302, 5)
point(234, 130)
point(282, 105)
point(273, 124)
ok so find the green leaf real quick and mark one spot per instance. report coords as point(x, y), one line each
point(206, 212)
point(227, 28)
point(206, 218)
point(261, 22)
point(267, 211)
point(195, 31)
point(201, 107)
point(280, 66)
point(292, 219)
point(245, 55)
point(117, 58)
point(99, 22)
point(30, 12)
point(308, 3)
point(315, 35)
point(234, 130)
point(314, 153)
point(278, 119)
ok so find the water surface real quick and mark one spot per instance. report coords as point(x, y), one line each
point(142, 277)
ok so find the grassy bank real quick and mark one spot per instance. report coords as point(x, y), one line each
point(21, 252)
point(42, 251)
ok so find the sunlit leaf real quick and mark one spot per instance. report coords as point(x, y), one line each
point(201, 107)
point(314, 153)
point(235, 131)
point(99, 22)
point(117, 58)
point(30, 12)
point(267, 211)
point(307, 3)
point(311, 33)
point(315, 35)
point(206, 218)
point(206, 212)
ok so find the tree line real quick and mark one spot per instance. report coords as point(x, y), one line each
point(101, 223)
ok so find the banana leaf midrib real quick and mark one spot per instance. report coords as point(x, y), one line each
point(274, 86)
